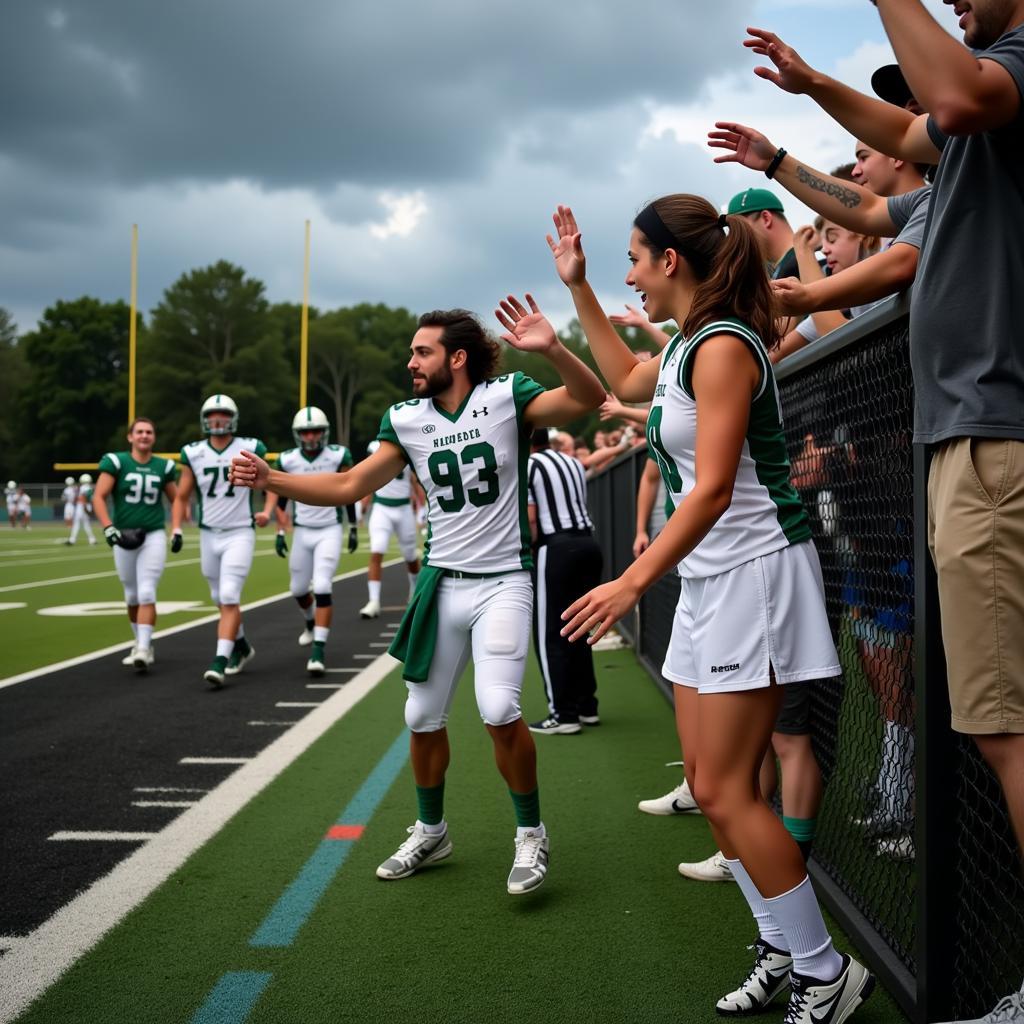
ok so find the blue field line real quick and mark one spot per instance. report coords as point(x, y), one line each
point(232, 998)
point(298, 901)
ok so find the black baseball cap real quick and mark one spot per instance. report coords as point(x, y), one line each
point(890, 85)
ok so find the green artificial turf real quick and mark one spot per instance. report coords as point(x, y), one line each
point(615, 934)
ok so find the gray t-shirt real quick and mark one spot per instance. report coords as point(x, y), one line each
point(967, 311)
point(909, 213)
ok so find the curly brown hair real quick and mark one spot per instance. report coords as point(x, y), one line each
point(460, 329)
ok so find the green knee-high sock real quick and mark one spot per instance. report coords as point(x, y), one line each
point(431, 803)
point(527, 807)
point(802, 830)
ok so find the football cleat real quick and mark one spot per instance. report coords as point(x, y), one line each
point(678, 801)
point(714, 869)
point(129, 658)
point(530, 866)
point(305, 638)
point(214, 675)
point(239, 658)
point(828, 1002)
point(315, 666)
point(370, 610)
point(143, 658)
point(419, 850)
point(767, 978)
point(552, 725)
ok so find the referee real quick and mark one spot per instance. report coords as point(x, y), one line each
point(568, 565)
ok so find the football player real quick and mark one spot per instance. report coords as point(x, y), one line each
point(11, 496)
point(24, 508)
point(316, 538)
point(68, 496)
point(135, 482)
point(227, 516)
point(83, 506)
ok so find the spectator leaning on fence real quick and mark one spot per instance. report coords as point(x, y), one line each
point(965, 353)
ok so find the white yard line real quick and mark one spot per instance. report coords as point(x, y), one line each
point(215, 760)
point(102, 837)
point(169, 789)
point(324, 686)
point(39, 959)
point(275, 725)
point(114, 648)
point(298, 704)
point(164, 803)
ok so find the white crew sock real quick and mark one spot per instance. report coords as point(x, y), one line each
point(145, 637)
point(767, 926)
point(224, 648)
point(799, 919)
point(320, 634)
point(373, 586)
point(433, 830)
point(522, 832)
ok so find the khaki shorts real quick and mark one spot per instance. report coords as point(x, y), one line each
point(976, 537)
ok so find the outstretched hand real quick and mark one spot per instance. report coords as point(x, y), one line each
point(526, 330)
point(633, 317)
point(791, 72)
point(744, 146)
point(791, 296)
point(596, 612)
point(249, 470)
point(570, 262)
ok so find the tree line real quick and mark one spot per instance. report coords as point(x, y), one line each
point(64, 384)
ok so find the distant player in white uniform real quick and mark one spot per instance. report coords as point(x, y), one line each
point(11, 497)
point(24, 508)
point(83, 508)
point(316, 537)
point(129, 506)
point(391, 514)
point(751, 613)
point(466, 435)
point(68, 496)
point(227, 540)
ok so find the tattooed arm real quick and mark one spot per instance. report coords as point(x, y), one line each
point(844, 202)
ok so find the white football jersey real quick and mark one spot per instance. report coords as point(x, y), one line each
point(11, 494)
point(472, 465)
point(766, 512)
point(332, 459)
point(69, 494)
point(221, 505)
point(397, 491)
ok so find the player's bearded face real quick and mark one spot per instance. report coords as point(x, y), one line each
point(426, 385)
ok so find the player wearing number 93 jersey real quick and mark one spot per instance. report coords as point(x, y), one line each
point(129, 506)
point(466, 436)
point(226, 519)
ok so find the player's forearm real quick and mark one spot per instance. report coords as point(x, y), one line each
point(99, 506)
point(692, 520)
point(581, 383)
point(807, 265)
point(645, 495)
point(314, 489)
point(638, 416)
point(882, 126)
point(880, 275)
point(792, 342)
point(843, 202)
point(614, 357)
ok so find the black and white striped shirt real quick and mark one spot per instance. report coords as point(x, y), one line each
point(558, 487)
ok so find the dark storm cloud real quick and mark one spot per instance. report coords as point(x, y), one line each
point(390, 94)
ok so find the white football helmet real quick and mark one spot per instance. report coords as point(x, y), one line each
point(85, 479)
point(12, 485)
point(69, 481)
point(219, 403)
point(310, 418)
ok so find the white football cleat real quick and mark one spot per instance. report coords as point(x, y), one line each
point(305, 638)
point(419, 850)
point(370, 610)
point(530, 866)
point(143, 658)
point(129, 658)
point(678, 801)
point(828, 1002)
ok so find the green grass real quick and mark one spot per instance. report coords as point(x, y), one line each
point(38, 556)
point(615, 934)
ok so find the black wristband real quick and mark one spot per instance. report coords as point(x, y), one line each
point(769, 171)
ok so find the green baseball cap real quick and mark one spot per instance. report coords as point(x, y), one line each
point(754, 200)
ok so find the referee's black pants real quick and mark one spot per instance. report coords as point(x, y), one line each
point(567, 566)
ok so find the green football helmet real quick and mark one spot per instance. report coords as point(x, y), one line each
point(310, 418)
point(219, 403)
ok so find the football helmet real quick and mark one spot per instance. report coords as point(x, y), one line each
point(219, 403)
point(85, 479)
point(310, 418)
point(69, 481)
point(12, 485)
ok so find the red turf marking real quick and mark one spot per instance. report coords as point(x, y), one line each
point(344, 832)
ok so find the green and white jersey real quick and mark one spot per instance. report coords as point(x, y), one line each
point(136, 500)
point(221, 506)
point(396, 492)
point(472, 465)
point(11, 495)
point(85, 494)
point(766, 513)
point(332, 459)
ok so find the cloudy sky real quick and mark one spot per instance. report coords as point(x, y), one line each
point(428, 144)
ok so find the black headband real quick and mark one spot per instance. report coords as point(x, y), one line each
point(650, 223)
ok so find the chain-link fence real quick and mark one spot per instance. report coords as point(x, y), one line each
point(929, 883)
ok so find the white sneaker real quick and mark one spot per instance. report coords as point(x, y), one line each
point(714, 869)
point(897, 847)
point(315, 666)
point(305, 638)
point(142, 659)
point(768, 977)
point(530, 866)
point(370, 610)
point(129, 658)
point(1009, 1010)
point(678, 801)
point(818, 1002)
point(419, 850)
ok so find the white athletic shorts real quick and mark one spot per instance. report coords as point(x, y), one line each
point(225, 557)
point(493, 615)
point(730, 630)
point(140, 570)
point(399, 520)
point(69, 511)
point(313, 558)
